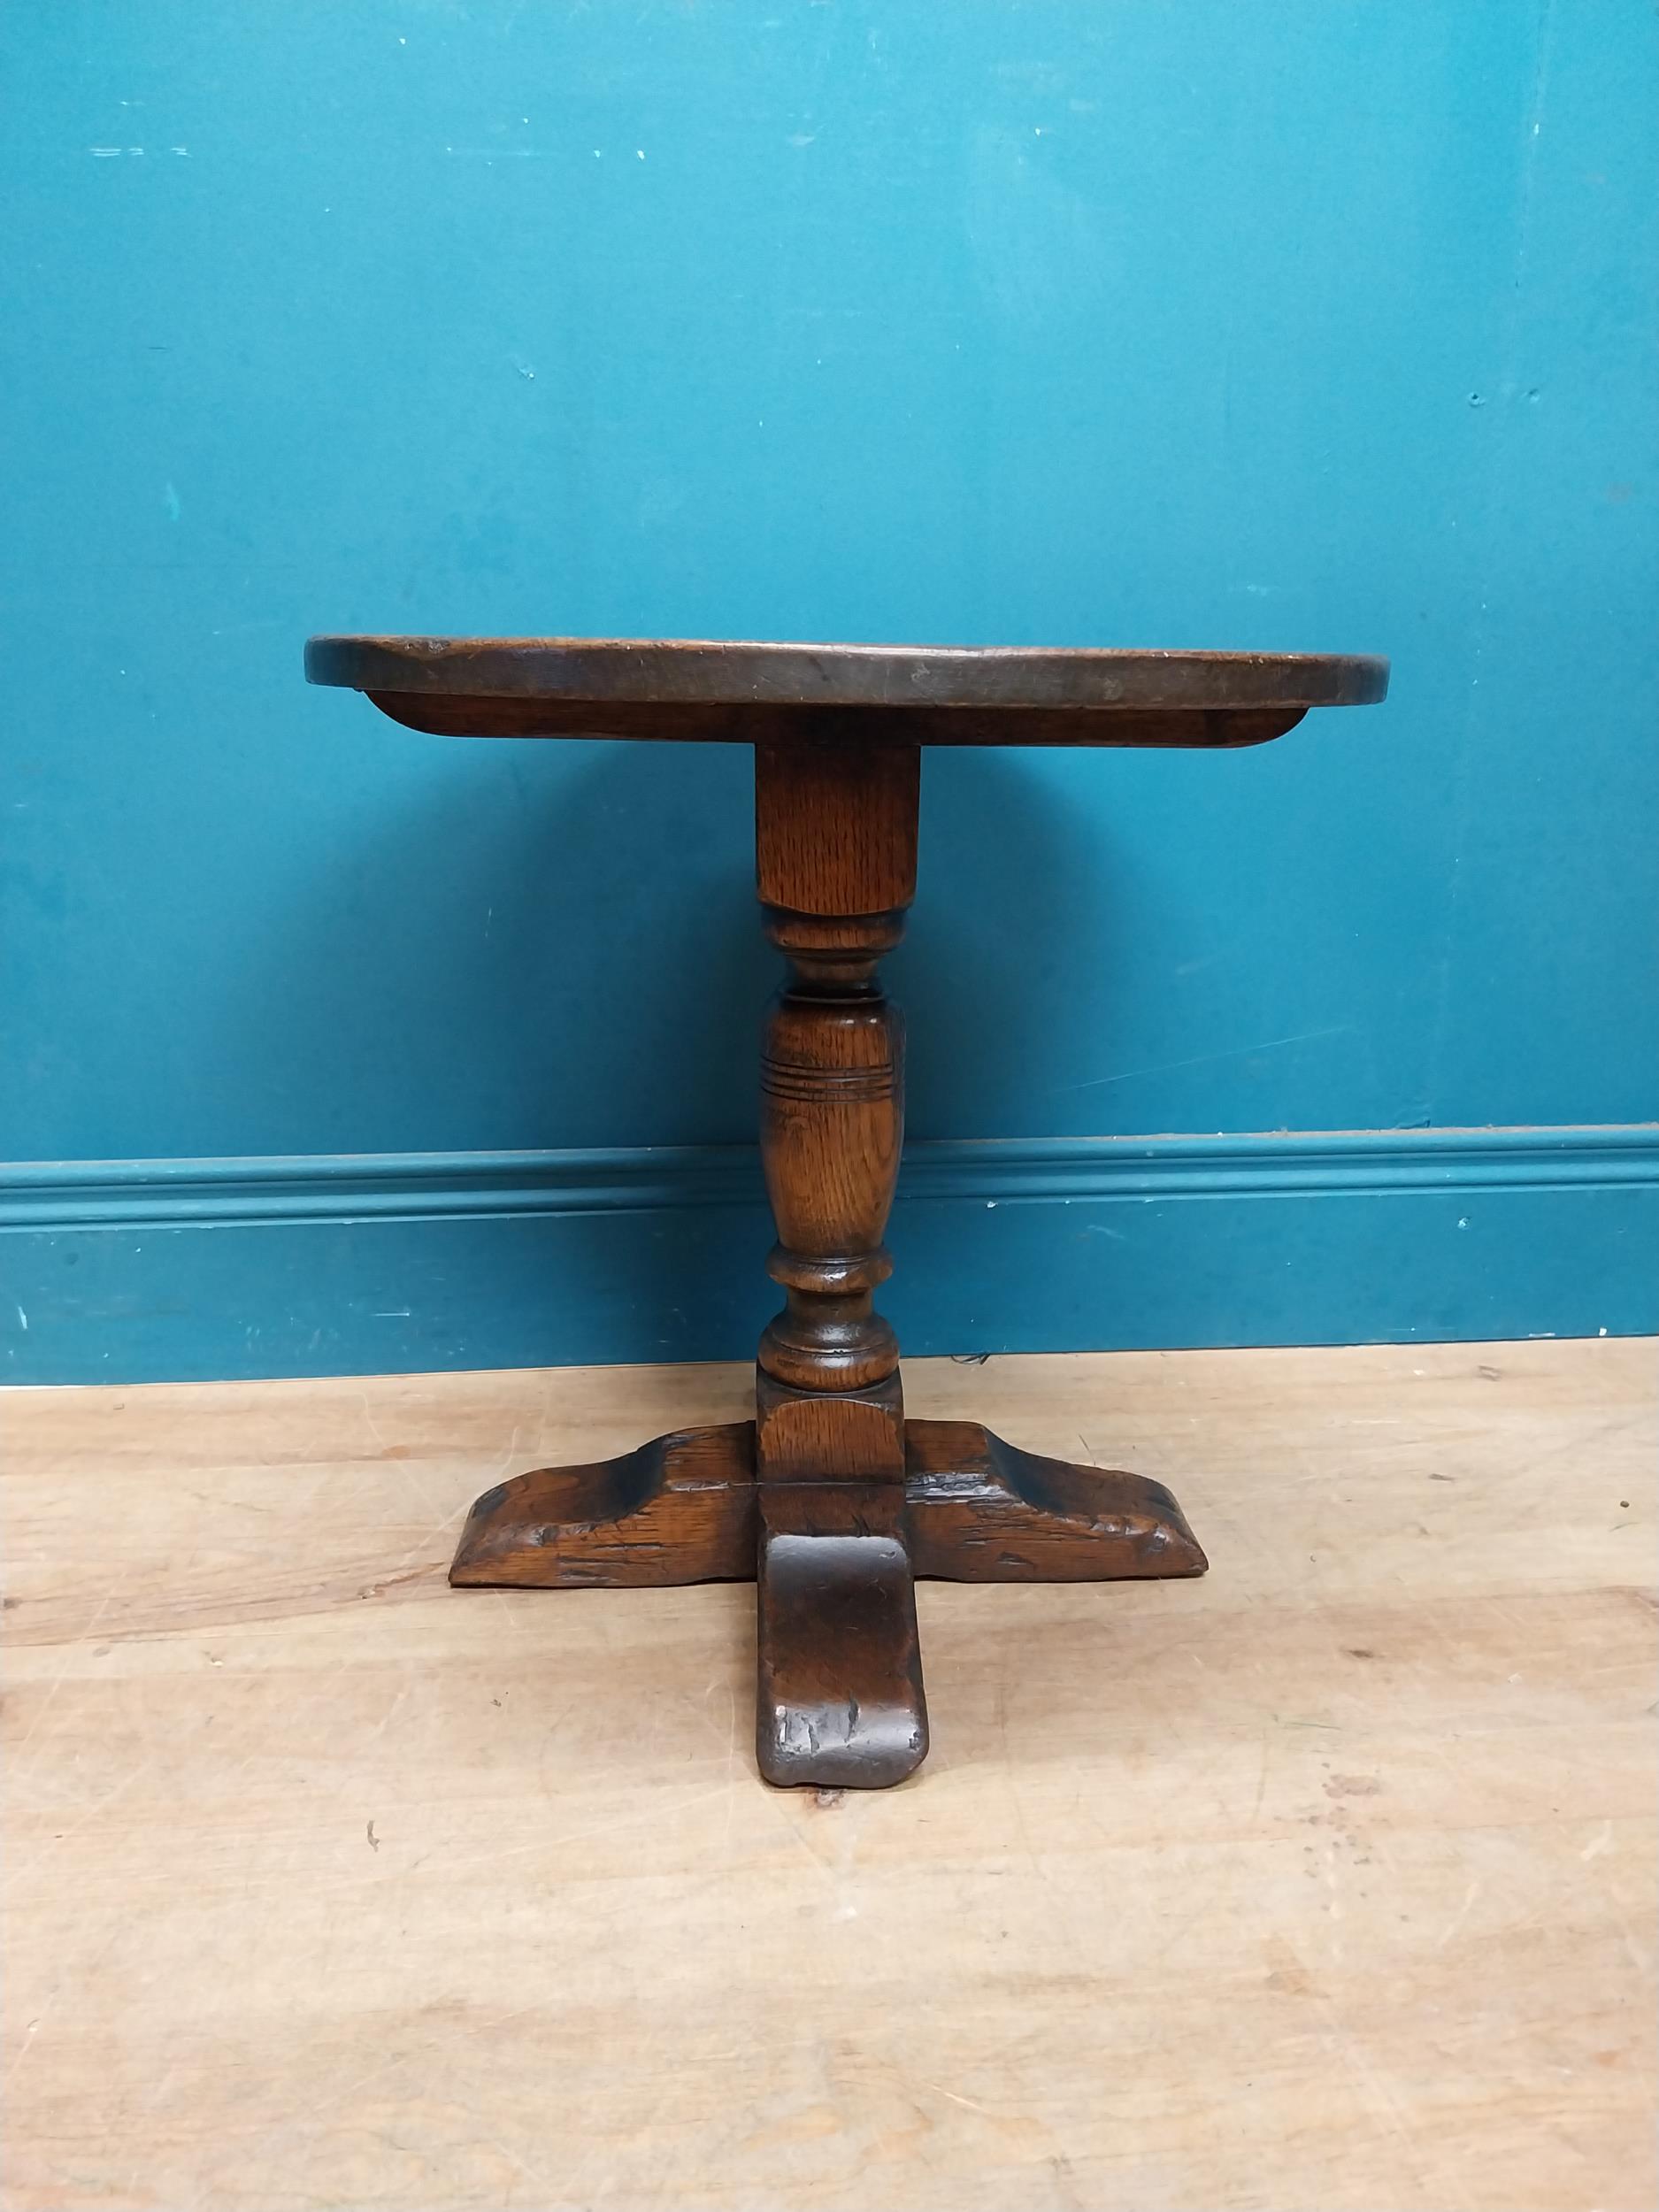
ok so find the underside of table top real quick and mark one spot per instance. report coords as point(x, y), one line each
point(929, 694)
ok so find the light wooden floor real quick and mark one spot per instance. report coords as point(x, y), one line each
point(1327, 1882)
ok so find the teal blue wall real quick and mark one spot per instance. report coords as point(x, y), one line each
point(1302, 325)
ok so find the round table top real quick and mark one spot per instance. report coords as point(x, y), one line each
point(1005, 680)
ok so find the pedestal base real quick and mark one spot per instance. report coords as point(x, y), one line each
point(840, 1685)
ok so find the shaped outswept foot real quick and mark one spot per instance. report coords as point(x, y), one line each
point(978, 1510)
point(680, 1508)
point(840, 1701)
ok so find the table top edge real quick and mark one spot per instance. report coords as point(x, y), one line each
point(740, 673)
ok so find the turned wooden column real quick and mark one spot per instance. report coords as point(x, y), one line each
point(835, 868)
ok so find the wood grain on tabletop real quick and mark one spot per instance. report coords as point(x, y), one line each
point(1324, 1882)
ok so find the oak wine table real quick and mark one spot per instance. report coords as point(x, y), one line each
point(830, 1498)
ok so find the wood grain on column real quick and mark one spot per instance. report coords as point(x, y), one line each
point(835, 826)
point(836, 843)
